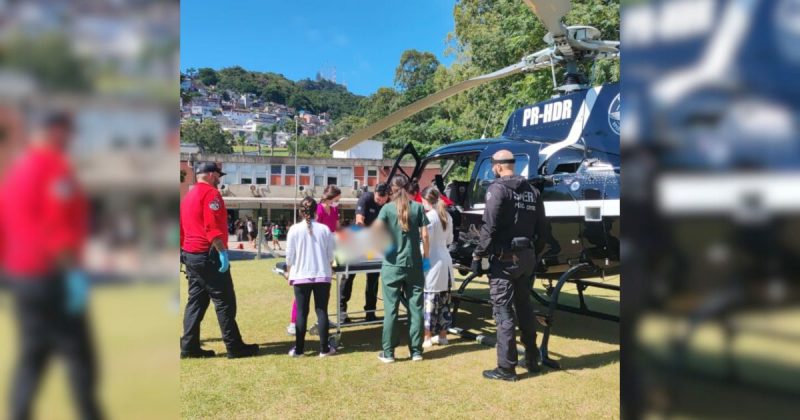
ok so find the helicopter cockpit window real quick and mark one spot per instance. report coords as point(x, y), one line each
point(485, 177)
point(564, 161)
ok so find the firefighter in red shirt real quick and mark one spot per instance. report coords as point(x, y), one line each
point(204, 251)
point(43, 226)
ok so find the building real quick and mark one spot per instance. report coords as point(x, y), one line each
point(265, 186)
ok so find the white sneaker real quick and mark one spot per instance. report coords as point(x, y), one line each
point(385, 359)
point(330, 352)
point(291, 329)
point(441, 341)
point(416, 358)
point(293, 353)
point(427, 343)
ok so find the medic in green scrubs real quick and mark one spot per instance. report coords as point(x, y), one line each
point(403, 268)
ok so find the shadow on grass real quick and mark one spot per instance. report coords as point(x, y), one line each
point(587, 361)
point(568, 325)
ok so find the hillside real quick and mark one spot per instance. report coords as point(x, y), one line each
point(314, 96)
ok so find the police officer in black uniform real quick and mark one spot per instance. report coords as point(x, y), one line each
point(512, 220)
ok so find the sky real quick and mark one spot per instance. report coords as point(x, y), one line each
point(363, 39)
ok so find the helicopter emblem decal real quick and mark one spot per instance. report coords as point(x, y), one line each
point(613, 114)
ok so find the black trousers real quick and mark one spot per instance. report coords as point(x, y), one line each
point(302, 295)
point(207, 284)
point(370, 293)
point(45, 329)
point(509, 288)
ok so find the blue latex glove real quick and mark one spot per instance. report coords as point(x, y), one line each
point(426, 264)
point(77, 291)
point(355, 228)
point(224, 262)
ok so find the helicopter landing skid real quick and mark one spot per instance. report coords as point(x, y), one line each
point(546, 299)
point(552, 304)
point(545, 318)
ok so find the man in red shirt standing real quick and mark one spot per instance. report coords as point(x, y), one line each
point(43, 227)
point(204, 251)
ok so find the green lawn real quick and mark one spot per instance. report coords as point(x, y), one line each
point(134, 328)
point(354, 384)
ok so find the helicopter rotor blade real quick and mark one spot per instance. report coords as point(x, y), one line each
point(550, 12)
point(531, 62)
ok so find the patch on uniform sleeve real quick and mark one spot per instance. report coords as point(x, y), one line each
point(214, 204)
point(488, 195)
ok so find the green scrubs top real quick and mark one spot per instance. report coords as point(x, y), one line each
point(406, 251)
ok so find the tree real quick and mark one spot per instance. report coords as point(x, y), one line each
point(208, 76)
point(259, 137)
point(273, 129)
point(241, 140)
point(208, 135)
point(415, 72)
point(49, 60)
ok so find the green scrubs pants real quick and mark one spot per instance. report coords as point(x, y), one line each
point(409, 283)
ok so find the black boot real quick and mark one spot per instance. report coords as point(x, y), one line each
point(197, 354)
point(533, 361)
point(246, 350)
point(501, 374)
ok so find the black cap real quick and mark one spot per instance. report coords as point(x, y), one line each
point(206, 167)
point(382, 188)
point(57, 119)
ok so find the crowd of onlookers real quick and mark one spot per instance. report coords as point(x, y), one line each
point(246, 230)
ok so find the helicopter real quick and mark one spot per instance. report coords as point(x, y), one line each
point(567, 146)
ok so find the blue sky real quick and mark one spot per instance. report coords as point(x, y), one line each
point(362, 39)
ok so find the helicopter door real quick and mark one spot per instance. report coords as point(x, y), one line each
point(561, 194)
point(407, 151)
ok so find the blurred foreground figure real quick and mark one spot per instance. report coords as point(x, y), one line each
point(43, 221)
point(204, 251)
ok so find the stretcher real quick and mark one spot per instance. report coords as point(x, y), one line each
point(340, 273)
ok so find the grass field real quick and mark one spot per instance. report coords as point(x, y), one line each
point(135, 331)
point(354, 384)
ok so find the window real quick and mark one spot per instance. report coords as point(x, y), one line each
point(305, 170)
point(247, 181)
point(372, 172)
point(289, 169)
point(332, 175)
point(564, 161)
point(319, 176)
point(346, 177)
point(275, 169)
point(485, 177)
point(261, 175)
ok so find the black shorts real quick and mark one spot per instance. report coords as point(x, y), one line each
point(252, 235)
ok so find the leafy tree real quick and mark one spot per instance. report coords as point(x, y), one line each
point(259, 136)
point(208, 135)
point(208, 76)
point(273, 129)
point(415, 72)
point(49, 60)
point(240, 139)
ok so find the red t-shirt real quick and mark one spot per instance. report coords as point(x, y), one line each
point(44, 214)
point(203, 218)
